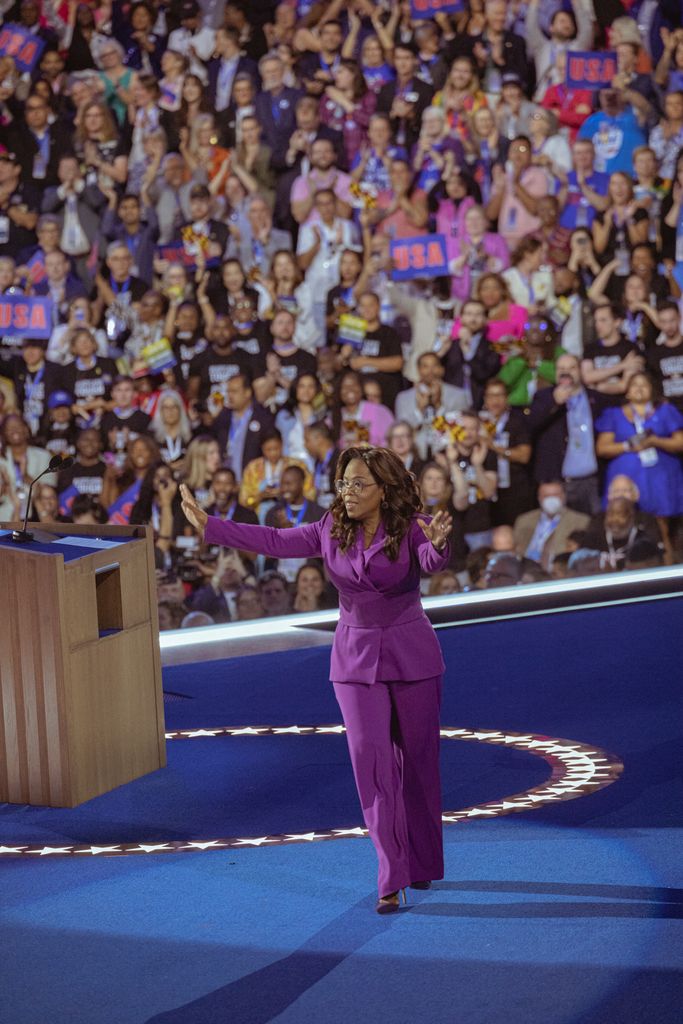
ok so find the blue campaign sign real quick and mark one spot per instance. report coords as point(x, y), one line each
point(590, 70)
point(425, 256)
point(422, 9)
point(20, 44)
point(24, 316)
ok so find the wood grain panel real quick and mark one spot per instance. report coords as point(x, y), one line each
point(79, 714)
point(112, 712)
point(34, 756)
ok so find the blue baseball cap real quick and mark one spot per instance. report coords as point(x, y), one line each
point(58, 398)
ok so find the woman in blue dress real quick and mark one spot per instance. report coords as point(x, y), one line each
point(643, 439)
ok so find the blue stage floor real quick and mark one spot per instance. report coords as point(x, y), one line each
point(567, 914)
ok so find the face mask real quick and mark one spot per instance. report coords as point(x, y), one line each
point(244, 325)
point(551, 506)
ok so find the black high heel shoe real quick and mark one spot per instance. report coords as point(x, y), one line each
point(390, 904)
point(420, 885)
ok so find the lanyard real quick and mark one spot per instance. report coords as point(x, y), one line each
point(119, 289)
point(289, 511)
point(132, 242)
point(173, 448)
point(329, 68)
point(321, 469)
point(638, 421)
point(502, 424)
point(30, 387)
point(633, 322)
point(230, 512)
point(18, 475)
point(528, 284)
point(237, 424)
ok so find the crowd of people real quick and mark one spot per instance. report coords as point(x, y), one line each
point(209, 196)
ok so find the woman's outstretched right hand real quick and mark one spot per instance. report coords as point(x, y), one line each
point(194, 513)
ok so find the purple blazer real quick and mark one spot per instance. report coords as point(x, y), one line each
point(383, 632)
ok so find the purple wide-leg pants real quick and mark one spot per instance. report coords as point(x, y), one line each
point(392, 730)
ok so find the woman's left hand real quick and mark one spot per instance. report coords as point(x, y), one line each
point(438, 530)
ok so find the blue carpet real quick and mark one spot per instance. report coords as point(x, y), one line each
point(568, 915)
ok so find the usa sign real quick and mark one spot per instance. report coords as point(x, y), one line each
point(425, 256)
point(591, 70)
point(22, 46)
point(22, 316)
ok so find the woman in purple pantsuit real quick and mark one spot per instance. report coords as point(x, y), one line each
point(386, 661)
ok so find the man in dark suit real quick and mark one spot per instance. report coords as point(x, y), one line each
point(317, 69)
point(406, 98)
point(496, 51)
point(561, 420)
point(202, 224)
point(60, 284)
point(275, 105)
point(288, 161)
point(247, 17)
point(241, 105)
point(224, 68)
point(125, 221)
point(468, 360)
point(241, 426)
point(37, 144)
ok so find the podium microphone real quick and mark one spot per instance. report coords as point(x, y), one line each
point(56, 462)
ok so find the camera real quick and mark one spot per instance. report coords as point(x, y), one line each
point(187, 569)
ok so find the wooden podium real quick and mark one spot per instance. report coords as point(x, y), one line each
point(81, 705)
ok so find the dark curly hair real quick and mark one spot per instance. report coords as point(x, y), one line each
point(400, 503)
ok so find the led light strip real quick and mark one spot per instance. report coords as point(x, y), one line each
point(576, 770)
point(599, 591)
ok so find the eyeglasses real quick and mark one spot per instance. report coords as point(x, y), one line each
point(355, 486)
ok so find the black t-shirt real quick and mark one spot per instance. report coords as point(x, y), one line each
point(658, 289)
point(14, 238)
point(603, 356)
point(667, 365)
point(339, 300)
point(254, 343)
point(59, 438)
point(619, 235)
point(215, 370)
point(136, 423)
point(223, 302)
point(509, 434)
point(477, 515)
point(291, 367)
point(93, 382)
point(380, 344)
point(33, 388)
point(185, 349)
point(107, 150)
point(78, 479)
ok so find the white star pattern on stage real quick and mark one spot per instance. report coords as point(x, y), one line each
point(307, 837)
point(213, 843)
point(201, 732)
point(100, 849)
point(255, 842)
point(47, 850)
point(149, 847)
point(576, 770)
